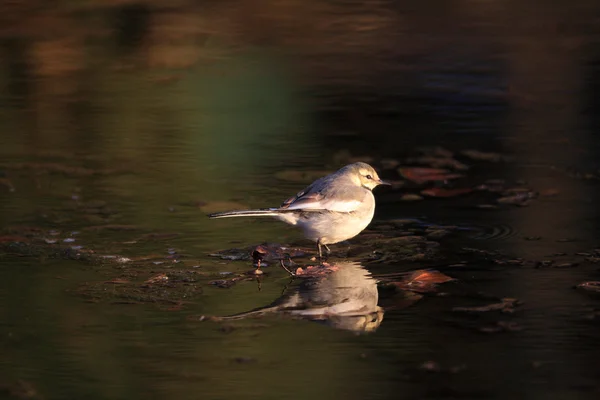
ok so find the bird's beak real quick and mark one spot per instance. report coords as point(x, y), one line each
point(380, 182)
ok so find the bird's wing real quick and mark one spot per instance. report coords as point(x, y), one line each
point(321, 195)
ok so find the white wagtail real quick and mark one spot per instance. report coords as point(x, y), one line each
point(332, 209)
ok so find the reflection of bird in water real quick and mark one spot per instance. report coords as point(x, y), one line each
point(344, 299)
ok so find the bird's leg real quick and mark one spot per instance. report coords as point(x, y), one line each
point(320, 253)
point(319, 244)
point(282, 264)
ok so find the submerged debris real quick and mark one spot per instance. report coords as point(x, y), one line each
point(517, 196)
point(590, 286)
point(7, 184)
point(501, 326)
point(312, 271)
point(167, 288)
point(19, 389)
point(265, 253)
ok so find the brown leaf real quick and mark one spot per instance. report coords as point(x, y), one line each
point(423, 281)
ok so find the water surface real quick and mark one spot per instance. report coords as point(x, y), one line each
point(143, 116)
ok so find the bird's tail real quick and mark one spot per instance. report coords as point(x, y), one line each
point(267, 212)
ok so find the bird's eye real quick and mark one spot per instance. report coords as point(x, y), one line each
point(369, 177)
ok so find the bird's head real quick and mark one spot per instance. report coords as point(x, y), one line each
point(362, 174)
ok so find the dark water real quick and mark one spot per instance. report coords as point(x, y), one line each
point(165, 108)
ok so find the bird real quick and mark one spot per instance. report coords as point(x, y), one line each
point(332, 209)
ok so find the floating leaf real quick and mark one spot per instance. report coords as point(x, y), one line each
point(423, 281)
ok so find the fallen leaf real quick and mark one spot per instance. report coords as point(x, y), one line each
point(423, 281)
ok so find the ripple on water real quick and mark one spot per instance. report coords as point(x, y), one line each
point(490, 231)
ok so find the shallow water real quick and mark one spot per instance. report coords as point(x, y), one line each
point(159, 116)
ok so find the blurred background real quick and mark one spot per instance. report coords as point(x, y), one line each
point(148, 114)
